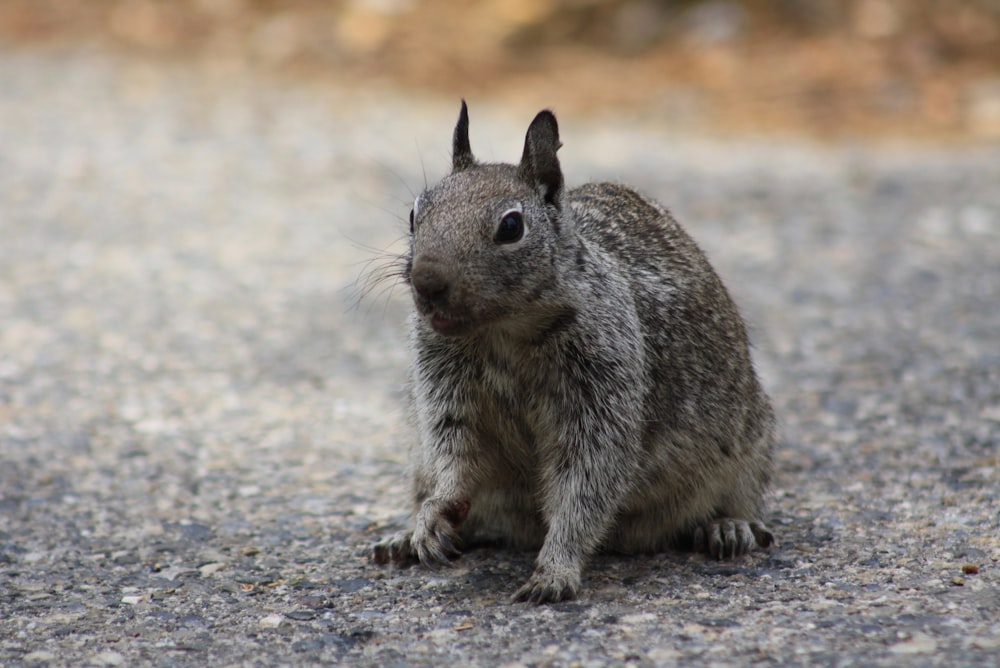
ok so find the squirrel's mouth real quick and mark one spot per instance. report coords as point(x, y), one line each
point(444, 321)
point(444, 324)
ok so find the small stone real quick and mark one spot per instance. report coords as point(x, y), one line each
point(270, 622)
point(211, 569)
point(41, 656)
point(174, 572)
point(663, 655)
point(919, 643)
point(970, 569)
point(309, 645)
point(314, 602)
point(352, 585)
point(301, 615)
point(957, 581)
point(193, 622)
point(987, 643)
point(108, 659)
point(131, 599)
point(638, 618)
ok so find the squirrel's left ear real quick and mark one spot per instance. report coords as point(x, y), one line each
point(461, 150)
point(539, 164)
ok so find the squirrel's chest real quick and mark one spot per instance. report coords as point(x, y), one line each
point(506, 393)
point(511, 402)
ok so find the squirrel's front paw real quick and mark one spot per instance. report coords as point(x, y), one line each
point(728, 538)
point(435, 536)
point(550, 585)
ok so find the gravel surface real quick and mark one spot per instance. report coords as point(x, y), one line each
point(199, 418)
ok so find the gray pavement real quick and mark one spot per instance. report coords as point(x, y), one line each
point(199, 419)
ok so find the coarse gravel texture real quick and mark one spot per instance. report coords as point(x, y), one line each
point(199, 419)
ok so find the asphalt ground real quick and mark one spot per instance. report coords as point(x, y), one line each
point(200, 399)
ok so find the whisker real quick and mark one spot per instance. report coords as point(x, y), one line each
point(395, 213)
point(402, 181)
point(379, 275)
point(383, 269)
point(423, 167)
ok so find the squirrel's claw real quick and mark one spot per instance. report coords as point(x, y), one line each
point(728, 538)
point(397, 549)
point(548, 587)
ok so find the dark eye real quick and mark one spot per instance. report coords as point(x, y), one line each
point(411, 221)
point(511, 228)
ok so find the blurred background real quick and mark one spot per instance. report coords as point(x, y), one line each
point(927, 69)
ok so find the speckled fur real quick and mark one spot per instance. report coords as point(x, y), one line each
point(593, 388)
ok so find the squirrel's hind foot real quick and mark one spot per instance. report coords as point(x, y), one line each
point(728, 538)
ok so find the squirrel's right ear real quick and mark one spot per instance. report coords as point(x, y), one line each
point(461, 150)
point(539, 164)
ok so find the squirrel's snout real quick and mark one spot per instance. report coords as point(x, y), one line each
point(430, 283)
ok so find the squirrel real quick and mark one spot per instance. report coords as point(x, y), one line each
point(581, 378)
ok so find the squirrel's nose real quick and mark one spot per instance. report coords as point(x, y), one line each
point(429, 282)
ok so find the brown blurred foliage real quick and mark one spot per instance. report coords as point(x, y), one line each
point(898, 67)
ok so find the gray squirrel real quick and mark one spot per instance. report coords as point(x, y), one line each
point(581, 379)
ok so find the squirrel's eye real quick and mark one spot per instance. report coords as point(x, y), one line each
point(411, 221)
point(511, 228)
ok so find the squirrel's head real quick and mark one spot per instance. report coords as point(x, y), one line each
point(484, 242)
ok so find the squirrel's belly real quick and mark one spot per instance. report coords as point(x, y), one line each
point(510, 515)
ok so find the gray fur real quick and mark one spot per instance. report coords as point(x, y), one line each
point(588, 386)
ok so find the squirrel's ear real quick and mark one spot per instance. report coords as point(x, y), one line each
point(539, 164)
point(461, 150)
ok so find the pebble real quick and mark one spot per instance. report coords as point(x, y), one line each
point(919, 643)
point(40, 656)
point(271, 621)
point(108, 659)
point(210, 569)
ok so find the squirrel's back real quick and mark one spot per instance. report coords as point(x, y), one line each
point(686, 313)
